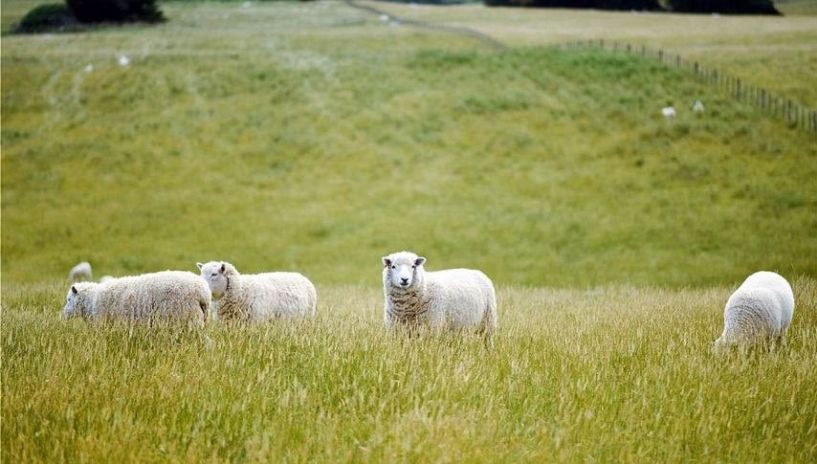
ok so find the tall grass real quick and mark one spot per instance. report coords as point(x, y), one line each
point(610, 374)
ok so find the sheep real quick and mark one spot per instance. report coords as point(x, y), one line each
point(760, 310)
point(453, 299)
point(668, 112)
point(166, 296)
point(698, 106)
point(80, 273)
point(258, 297)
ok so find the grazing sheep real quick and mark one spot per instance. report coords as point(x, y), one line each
point(258, 297)
point(760, 310)
point(449, 299)
point(80, 273)
point(698, 106)
point(668, 112)
point(166, 296)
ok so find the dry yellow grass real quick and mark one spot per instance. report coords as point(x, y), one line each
point(611, 374)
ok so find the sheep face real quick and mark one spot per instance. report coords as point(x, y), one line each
point(403, 270)
point(214, 273)
point(77, 301)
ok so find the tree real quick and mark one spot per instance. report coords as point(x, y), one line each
point(599, 4)
point(94, 11)
point(724, 6)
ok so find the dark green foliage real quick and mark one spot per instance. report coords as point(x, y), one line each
point(724, 6)
point(49, 17)
point(435, 2)
point(598, 4)
point(95, 11)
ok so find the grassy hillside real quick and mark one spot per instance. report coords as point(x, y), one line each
point(316, 138)
point(612, 375)
point(779, 53)
point(797, 7)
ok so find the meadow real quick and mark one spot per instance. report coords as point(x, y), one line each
point(315, 137)
point(778, 53)
point(610, 374)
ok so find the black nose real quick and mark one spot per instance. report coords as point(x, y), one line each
point(404, 280)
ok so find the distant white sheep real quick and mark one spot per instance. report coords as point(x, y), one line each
point(449, 299)
point(668, 112)
point(698, 106)
point(258, 297)
point(161, 296)
point(759, 311)
point(80, 273)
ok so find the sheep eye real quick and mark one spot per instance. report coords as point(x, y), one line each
point(213, 274)
point(414, 267)
point(393, 266)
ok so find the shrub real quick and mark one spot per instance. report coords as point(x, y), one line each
point(724, 6)
point(94, 11)
point(47, 17)
point(599, 4)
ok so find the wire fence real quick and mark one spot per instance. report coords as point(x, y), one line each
point(794, 114)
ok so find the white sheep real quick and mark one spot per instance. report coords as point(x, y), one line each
point(668, 112)
point(760, 310)
point(80, 273)
point(258, 297)
point(161, 296)
point(698, 106)
point(450, 299)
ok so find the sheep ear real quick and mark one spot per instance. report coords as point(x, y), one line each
point(223, 268)
point(419, 261)
point(74, 289)
point(199, 265)
point(386, 261)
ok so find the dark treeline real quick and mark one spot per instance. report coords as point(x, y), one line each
point(598, 4)
point(682, 6)
point(95, 11)
point(724, 6)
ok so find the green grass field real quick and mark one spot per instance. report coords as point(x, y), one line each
point(315, 137)
point(778, 53)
